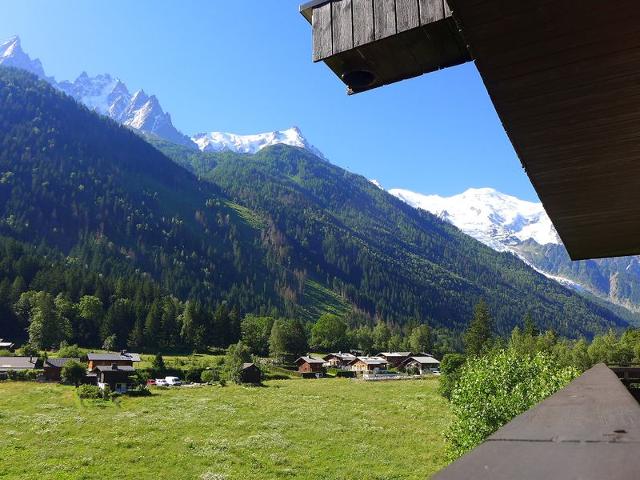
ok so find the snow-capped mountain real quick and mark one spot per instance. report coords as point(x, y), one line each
point(12, 55)
point(109, 96)
point(507, 223)
point(220, 141)
point(496, 219)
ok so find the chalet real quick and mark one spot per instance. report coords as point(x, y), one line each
point(339, 360)
point(53, 367)
point(394, 358)
point(123, 359)
point(424, 364)
point(8, 364)
point(368, 364)
point(116, 377)
point(6, 345)
point(310, 365)
point(250, 373)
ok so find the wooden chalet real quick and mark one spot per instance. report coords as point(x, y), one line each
point(394, 358)
point(368, 364)
point(564, 77)
point(250, 373)
point(123, 358)
point(53, 367)
point(116, 377)
point(311, 365)
point(423, 364)
point(339, 360)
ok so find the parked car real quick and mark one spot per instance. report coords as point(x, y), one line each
point(173, 381)
point(161, 382)
point(151, 381)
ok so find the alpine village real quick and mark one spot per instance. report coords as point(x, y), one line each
point(223, 306)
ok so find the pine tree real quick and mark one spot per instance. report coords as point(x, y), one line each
point(479, 334)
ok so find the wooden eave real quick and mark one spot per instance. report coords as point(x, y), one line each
point(388, 40)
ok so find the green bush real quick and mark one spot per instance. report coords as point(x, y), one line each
point(89, 391)
point(22, 375)
point(139, 391)
point(450, 373)
point(495, 388)
point(209, 375)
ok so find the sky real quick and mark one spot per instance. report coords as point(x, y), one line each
point(244, 66)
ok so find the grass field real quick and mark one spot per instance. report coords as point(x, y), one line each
point(295, 429)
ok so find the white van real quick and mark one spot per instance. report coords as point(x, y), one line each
point(173, 381)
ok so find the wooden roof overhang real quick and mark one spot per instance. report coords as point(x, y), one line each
point(371, 43)
point(564, 77)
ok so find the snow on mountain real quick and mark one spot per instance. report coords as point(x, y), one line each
point(110, 96)
point(221, 141)
point(496, 219)
point(11, 55)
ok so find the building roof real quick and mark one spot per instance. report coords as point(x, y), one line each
point(248, 365)
point(5, 344)
point(340, 355)
point(371, 360)
point(60, 362)
point(422, 360)
point(119, 368)
point(114, 357)
point(18, 363)
point(394, 354)
point(309, 360)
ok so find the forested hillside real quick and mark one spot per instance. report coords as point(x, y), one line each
point(130, 247)
point(389, 259)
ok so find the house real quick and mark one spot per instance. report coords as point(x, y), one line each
point(310, 365)
point(116, 377)
point(250, 373)
point(368, 364)
point(123, 358)
point(19, 363)
point(424, 364)
point(339, 360)
point(53, 367)
point(394, 358)
point(6, 345)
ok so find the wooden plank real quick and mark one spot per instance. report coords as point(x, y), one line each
point(363, 29)
point(342, 26)
point(384, 17)
point(322, 36)
point(447, 8)
point(431, 11)
point(407, 15)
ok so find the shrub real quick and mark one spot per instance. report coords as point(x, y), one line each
point(73, 372)
point(209, 375)
point(495, 388)
point(89, 391)
point(22, 375)
point(69, 351)
point(450, 373)
point(139, 391)
point(193, 374)
point(223, 382)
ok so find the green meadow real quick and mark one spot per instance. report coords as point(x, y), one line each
point(295, 429)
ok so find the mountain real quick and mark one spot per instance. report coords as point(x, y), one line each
point(219, 141)
point(381, 256)
point(506, 223)
point(207, 236)
point(109, 96)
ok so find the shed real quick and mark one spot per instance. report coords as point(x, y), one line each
point(310, 365)
point(53, 367)
point(250, 373)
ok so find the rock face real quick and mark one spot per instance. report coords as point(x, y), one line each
point(507, 223)
point(110, 96)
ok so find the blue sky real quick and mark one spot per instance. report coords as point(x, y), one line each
point(245, 66)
